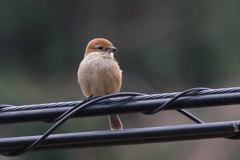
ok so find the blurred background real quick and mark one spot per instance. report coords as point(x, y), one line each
point(163, 46)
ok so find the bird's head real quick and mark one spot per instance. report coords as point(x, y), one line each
point(101, 45)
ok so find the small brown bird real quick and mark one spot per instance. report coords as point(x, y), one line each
point(99, 74)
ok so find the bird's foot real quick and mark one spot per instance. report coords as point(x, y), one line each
point(86, 99)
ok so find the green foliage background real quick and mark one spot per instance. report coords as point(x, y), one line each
point(163, 46)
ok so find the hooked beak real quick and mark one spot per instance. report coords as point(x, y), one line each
point(111, 49)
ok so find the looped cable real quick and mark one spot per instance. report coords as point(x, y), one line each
point(181, 94)
point(192, 91)
point(64, 117)
point(82, 104)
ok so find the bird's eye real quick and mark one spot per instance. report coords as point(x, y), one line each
point(100, 47)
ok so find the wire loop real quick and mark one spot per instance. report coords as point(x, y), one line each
point(9, 108)
point(184, 93)
point(127, 96)
point(62, 118)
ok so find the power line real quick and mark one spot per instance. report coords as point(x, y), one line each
point(124, 137)
point(127, 103)
point(144, 103)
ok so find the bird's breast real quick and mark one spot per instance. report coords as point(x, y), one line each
point(99, 76)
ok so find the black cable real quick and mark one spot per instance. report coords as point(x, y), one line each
point(189, 91)
point(15, 115)
point(187, 114)
point(124, 137)
point(190, 116)
point(77, 108)
point(66, 113)
point(82, 102)
point(9, 108)
point(62, 118)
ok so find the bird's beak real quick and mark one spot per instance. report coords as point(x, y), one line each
point(111, 49)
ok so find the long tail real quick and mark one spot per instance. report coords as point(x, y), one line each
point(115, 122)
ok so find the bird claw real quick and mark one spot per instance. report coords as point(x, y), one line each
point(86, 99)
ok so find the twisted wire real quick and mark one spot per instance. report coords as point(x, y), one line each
point(61, 120)
point(65, 116)
point(79, 105)
point(8, 108)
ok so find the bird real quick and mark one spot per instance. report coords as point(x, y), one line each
point(99, 74)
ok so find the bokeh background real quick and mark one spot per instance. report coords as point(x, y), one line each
point(163, 46)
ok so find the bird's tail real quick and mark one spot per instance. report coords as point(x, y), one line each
point(115, 122)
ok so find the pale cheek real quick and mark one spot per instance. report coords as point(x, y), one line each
point(110, 55)
point(94, 54)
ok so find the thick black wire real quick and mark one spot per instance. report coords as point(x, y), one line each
point(9, 108)
point(65, 116)
point(82, 102)
point(65, 113)
point(190, 116)
point(77, 108)
point(192, 90)
point(184, 112)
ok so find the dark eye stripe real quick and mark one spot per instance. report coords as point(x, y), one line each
point(100, 47)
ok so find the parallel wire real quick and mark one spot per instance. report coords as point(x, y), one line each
point(9, 108)
point(62, 119)
point(134, 96)
point(65, 116)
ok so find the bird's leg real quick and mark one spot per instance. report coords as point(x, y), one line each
point(90, 96)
